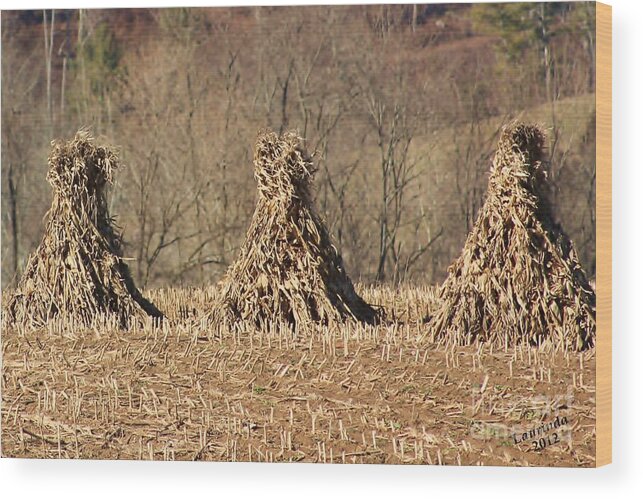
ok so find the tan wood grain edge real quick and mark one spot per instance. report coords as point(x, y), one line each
point(603, 234)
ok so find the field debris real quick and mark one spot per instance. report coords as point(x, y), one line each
point(355, 393)
point(288, 269)
point(77, 272)
point(518, 277)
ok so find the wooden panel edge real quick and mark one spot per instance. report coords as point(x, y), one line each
point(603, 234)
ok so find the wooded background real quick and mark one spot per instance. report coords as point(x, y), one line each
point(402, 105)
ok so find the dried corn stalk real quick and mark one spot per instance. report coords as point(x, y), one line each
point(77, 272)
point(518, 277)
point(288, 269)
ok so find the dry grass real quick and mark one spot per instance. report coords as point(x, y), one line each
point(353, 393)
point(518, 277)
point(287, 269)
point(77, 272)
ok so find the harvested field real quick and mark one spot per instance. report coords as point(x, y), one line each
point(353, 393)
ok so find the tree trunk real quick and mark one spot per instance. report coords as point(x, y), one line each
point(13, 214)
point(49, 48)
point(414, 19)
point(62, 87)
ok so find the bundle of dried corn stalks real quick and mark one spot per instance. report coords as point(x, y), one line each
point(288, 269)
point(77, 272)
point(518, 277)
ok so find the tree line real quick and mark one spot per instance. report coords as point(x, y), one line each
point(401, 105)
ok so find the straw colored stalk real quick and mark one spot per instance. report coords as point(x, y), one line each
point(518, 277)
point(288, 269)
point(77, 272)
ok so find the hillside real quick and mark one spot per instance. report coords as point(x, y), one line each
point(400, 103)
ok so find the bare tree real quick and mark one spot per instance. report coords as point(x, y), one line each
point(401, 122)
point(398, 170)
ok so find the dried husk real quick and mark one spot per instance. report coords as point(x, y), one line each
point(288, 269)
point(518, 277)
point(77, 273)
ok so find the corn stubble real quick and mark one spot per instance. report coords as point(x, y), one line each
point(518, 277)
point(224, 378)
point(343, 393)
point(77, 272)
point(288, 269)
